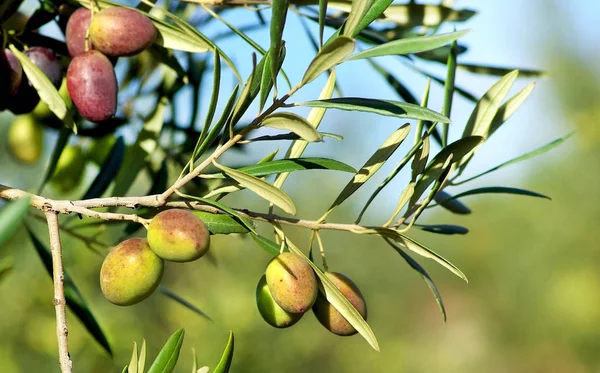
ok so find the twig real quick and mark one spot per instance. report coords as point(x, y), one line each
point(59, 292)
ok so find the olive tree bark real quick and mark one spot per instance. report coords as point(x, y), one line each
point(59, 301)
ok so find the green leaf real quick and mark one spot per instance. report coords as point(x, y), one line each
point(322, 16)
point(402, 201)
point(417, 267)
point(177, 298)
point(420, 249)
point(45, 89)
point(373, 165)
point(448, 229)
point(420, 160)
point(457, 149)
point(223, 208)
point(376, 9)
point(266, 83)
point(61, 142)
point(261, 188)
point(500, 71)
point(296, 164)
point(142, 360)
point(212, 107)
point(227, 357)
point(428, 15)
point(484, 112)
point(279, 12)
point(168, 355)
point(449, 89)
point(510, 107)
point(133, 367)
point(73, 296)
point(328, 57)
point(11, 217)
point(340, 302)
point(445, 200)
point(287, 136)
point(194, 361)
point(531, 154)
point(501, 190)
point(357, 13)
point(292, 122)
point(266, 244)
point(108, 171)
point(382, 107)
point(222, 224)
point(138, 155)
point(314, 118)
point(409, 45)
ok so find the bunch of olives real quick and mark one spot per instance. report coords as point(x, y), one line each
point(90, 80)
point(133, 269)
point(289, 288)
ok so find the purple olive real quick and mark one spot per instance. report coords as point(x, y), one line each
point(11, 73)
point(121, 31)
point(77, 26)
point(92, 85)
point(47, 61)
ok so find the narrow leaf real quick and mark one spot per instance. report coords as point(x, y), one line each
point(73, 296)
point(373, 165)
point(168, 355)
point(500, 71)
point(322, 16)
point(292, 122)
point(428, 15)
point(375, 11)
point(11, 217)
point(279, 10)
point(417, 267)
point(531, 154)
point(222, 223)
point(227, 357)
point(45, 89)
point(409, 45)
point(108, 171)
point(266, 244)
point(133, 367)
point(445, 200)
point(357, 13)
point(496, 190)
point(261, 188)
point(61, 142)
point(223, 208)
point(142, 360)
point(382, 107)
point(449, 89)
point(420, 249)
point(340, 302)
point(328, 57)
point(443, 228)
point(177, 298)
point(296, 164)
point(510, 107)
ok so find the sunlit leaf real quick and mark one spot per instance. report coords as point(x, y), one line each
point(402, 201)
point(168, 355)
point(292, 122)
point(429, 15)
point(340, 302)
point(279, 10)
point(372, 165)
point(45, 89)
point(376, 106)
point(227, 357)
point(11, 217)
point(142, 359)
point(409, 45)
point(133, 366)
point(420, 249)
point(510, 107)
point(357, 12)
point(377, 8)
point(266, 244)
point(449, 89)
point(328, 57)
point(261, 188)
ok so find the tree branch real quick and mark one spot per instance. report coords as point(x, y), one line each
point(59, 292)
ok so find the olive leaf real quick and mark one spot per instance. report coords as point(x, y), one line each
point(292, 122)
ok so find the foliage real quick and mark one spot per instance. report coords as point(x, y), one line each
point(185, 161)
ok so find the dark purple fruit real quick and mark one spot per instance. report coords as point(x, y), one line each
point(47, 61)
point(92, 85)
point(120, 32)
point(25, 100)
point(77, 26)
point(11, 73)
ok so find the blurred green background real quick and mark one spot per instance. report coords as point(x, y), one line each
point(533, 300)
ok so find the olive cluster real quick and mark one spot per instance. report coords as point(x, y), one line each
point(289, 288)
point(94, 44)
point(133, 269)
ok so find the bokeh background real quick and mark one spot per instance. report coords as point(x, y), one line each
point(532, 303)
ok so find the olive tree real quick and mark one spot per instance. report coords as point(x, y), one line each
point(120, 68)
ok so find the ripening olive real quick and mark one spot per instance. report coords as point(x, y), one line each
point(292, 282)
point(25, 139)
